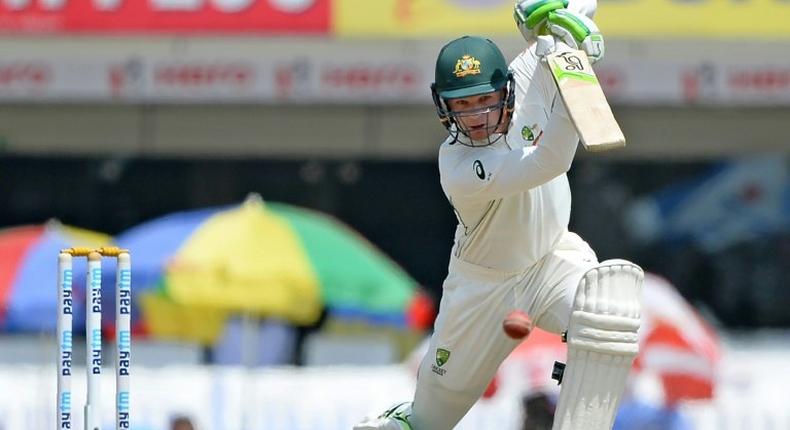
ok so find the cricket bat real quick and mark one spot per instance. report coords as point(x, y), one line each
point(585, 101)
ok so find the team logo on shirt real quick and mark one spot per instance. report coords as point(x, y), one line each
point(467, 65)
point(479, 171)
point(527, 134)
point(442, 356)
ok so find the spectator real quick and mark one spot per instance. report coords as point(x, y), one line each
point(181, 423)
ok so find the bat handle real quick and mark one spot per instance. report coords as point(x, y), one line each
point(548, 44)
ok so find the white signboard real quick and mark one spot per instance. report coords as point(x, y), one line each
point(354, 78)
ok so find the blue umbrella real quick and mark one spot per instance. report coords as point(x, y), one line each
point(28, 274)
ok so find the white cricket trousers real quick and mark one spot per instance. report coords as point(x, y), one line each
point(468, 343)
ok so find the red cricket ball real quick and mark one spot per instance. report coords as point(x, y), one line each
point(517, 325)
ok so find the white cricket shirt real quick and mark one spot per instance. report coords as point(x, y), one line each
point(512, 198)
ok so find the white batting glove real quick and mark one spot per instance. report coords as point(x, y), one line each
point(531, 16)
point(577, 31)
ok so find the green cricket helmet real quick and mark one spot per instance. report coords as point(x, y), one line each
point(470, 66)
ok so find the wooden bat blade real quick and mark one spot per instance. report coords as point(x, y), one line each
point(585, 101)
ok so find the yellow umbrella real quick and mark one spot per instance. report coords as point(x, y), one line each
point(267, 260)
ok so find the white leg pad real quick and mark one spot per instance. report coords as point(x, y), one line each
point(602, 343)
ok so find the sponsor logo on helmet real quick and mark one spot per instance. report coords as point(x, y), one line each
point(467, 65)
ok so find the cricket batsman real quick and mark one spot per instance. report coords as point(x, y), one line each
point(503, 169)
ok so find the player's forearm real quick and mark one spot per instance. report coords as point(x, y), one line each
point(557, 146)
point(520, 169)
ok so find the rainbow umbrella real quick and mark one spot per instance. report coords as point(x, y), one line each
point(264, 259)
point(28, 273)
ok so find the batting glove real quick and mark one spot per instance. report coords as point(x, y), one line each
point(531, 16)
point(577, 31)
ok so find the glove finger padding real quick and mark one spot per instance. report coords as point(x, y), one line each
point(531, 15)
point(578, 32)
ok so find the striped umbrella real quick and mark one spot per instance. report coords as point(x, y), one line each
point(677, 345)
point(28, 273)
point(265, 259)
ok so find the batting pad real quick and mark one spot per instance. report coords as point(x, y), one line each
point(602, 343)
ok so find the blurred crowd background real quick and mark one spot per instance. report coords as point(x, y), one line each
point(271, 164)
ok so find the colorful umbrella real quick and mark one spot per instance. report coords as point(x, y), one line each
point(265, 259)
point(28, 272)
point(676, 344)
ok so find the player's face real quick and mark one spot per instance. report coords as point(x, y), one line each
point(477, 115)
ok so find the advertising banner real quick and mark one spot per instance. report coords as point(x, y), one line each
point(410, 19)
point(335, 80)
point(716, 19)
point(188, 80)
point(650, 19)
point(747, 19)
point(144, 17)
point(325, 79)
point(370, 77)
point(423, 18)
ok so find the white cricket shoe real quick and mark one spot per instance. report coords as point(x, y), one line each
point(394, 418)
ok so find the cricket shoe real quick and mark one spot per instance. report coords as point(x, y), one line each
point(394, 418)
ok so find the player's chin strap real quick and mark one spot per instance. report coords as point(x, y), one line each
point(506, 106)
point(602, 344)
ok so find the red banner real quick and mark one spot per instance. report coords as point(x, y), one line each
point(165, 16)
